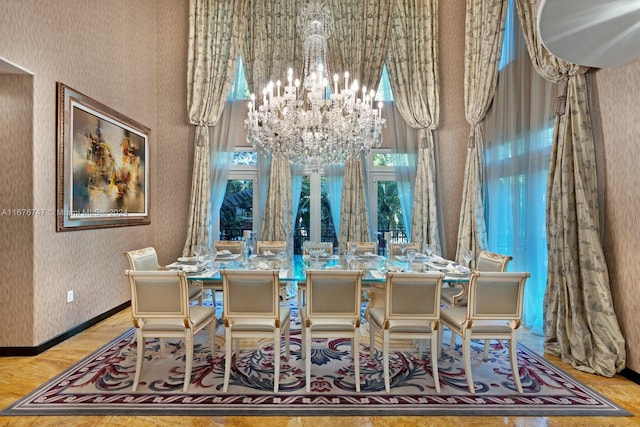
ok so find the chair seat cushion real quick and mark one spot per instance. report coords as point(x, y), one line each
point(399, 326)
point(447, 296)
point(454, 316)
point(262, 325)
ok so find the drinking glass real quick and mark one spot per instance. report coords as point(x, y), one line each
point(348, 257)
point(430, 249)
point(197, 251)
point(403, 247)
point(411, 256)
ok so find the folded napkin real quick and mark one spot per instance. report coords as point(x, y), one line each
point(209, 273)
point(369, 254)
point(395, 269)
point(333, 267)
point(188, 259)
point(439, 260)
point(377, 274)
point(190, 268)
point(262, 266)
point(224, 252)
point(267, 253)
point(456, 269)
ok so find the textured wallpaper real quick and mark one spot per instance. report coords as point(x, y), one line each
point(16, 228)
point(106, 50)
point(620, 110)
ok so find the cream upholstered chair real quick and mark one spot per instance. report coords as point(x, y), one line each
point(327, 246)
point(411, 311)
point(493, 311)
point(394, 248)
point(487, 261)
point(252, 310)
point(273, 246)
point(454, 296)
point(364, 247)
point(332, 310)
point(146, 259)
point(233, 246)
point(490, 261)
point(160, 309)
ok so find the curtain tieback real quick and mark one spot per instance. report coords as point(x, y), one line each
point(561, 102)
point(472, 136)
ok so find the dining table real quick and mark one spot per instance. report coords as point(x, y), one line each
point(207, 269)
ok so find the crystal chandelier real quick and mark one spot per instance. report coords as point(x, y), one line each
point(315, 123)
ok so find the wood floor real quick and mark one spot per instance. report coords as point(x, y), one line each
point(20, 375)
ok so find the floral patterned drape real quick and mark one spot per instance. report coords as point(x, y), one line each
point(277, 219)
point(412, 64)
point(354, 223)
point(215, 31)
point(272, 47)
point(484, 28)
point(579, 321)
point(359, 45)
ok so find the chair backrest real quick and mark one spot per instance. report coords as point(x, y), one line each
point(327, 246)
point(490, 261)
point(496, 296)
point(413, 296)
point(250, 294)
point(333, 294)
point(274, 246)
point(145, 259)
point(364, 247)
point(159, 294)
point(394, 248)
point(233, 246)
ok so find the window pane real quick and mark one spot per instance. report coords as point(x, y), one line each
point(244, 158)
point(236, 213)
point(389, 211)
point(382, 159)
point(327, 230)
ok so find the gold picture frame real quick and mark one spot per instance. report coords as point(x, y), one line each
point(102, 165)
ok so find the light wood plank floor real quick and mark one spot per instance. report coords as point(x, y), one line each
point(20, 375)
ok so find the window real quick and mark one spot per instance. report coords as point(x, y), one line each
point(237, 211)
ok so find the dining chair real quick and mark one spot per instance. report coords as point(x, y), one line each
point(394, 248)
point(364, 247)
point(233, 246)
point(252, 310)
point(273, 246)
point(327, 246)
point(487, 261)
point(493, 311)
point(456, 295)
point(332, 310)
point(160, 309)
point(411, 312)
point(146, 259)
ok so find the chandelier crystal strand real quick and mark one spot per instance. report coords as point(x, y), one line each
point(315, 123)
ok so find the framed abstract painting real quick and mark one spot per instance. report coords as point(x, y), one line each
point(102, 165)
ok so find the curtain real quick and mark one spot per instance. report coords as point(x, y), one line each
point(580, 324)
point(358, 45)
point(404, 141)
point(354, 224)
point(518, 131)
point(334, 174)
point(223, 138)
point(215, 31)
point(276, 222)
point(271, 47)
point(297, 174)
point(484, 26)
point(412, 63)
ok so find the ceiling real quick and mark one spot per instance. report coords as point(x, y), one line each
point(596, 33)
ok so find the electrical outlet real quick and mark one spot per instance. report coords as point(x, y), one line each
point(70, 296)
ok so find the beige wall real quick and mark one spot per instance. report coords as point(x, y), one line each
point(618, 91)
point(108, 51)
point(453, 132)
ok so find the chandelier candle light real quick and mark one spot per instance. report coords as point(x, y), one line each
point(315, 124)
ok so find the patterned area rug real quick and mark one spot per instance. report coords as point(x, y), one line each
point(101, 383)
